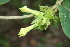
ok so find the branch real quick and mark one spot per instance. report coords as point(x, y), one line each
point(16, 17)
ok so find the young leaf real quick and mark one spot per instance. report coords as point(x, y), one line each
point(24, 31)
point(44, 18)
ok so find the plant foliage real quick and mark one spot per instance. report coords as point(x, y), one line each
point(3, 1)
point(43, 18)
point(64, 13)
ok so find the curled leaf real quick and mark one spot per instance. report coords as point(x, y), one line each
point(23, 31)
point(34, 12)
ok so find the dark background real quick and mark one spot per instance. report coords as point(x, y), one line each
point(9, 29)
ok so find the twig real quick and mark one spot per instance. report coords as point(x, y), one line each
point(55, 6)
point(57, 2)
point(16, 17)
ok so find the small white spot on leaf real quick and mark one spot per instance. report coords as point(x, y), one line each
point(65, 16)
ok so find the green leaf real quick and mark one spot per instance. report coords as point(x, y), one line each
point(64, 13)
point(3, 1)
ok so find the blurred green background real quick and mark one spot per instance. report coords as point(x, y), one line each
point(9, 29)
